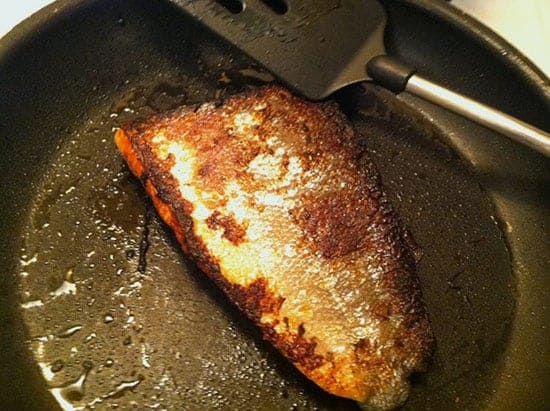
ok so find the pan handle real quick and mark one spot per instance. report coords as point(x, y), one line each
point(398, 77)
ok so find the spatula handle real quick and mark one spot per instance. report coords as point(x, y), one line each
point(398, 77)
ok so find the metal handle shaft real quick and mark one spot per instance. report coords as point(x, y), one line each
point(489, 117)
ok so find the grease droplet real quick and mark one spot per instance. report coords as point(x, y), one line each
point(69, 331)
point(73, 391)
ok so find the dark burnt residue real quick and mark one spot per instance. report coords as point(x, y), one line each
point(232, 230)
point(295, 347)
point(254, 299)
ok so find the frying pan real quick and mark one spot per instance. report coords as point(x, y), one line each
point(99, 307)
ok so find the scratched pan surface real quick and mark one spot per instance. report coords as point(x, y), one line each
point(100, 309)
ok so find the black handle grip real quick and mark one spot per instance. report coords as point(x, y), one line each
point(389, 73)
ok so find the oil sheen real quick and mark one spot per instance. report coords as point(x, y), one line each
point(117, 317)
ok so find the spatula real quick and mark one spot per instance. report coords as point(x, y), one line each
point(318, 46)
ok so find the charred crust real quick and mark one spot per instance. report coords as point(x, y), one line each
point(295, 347)
point(338, 223)
point(232, 231)
point(163, 195)
point(255, 299)
point(144, 177)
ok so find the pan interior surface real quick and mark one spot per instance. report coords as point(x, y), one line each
point(113, 313)
point(116, 315)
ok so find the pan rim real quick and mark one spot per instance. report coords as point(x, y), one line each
point(475, 30)
point(519, 63)
point(482, 34)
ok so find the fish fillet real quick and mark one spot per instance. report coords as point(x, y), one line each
point(273, 199)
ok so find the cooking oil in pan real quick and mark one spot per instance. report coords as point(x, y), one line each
point(117, 317)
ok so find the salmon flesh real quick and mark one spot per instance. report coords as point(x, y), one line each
point(276, 202)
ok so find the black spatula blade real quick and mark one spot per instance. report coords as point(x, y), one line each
point(315, 47)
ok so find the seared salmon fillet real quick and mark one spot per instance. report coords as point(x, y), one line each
point(274, 200)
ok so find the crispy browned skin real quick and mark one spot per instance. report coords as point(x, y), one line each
point(268, 194)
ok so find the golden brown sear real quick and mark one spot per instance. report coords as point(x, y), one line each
point(274, 200)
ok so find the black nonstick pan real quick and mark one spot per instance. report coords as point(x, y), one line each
point(99, 308)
